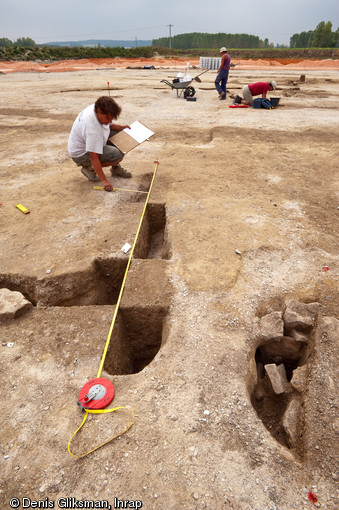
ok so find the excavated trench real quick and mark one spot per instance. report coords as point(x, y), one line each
point(99, 284)
point(153, 240)
point(138, 331)
point(137, 337)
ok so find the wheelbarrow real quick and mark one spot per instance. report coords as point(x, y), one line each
point(183, 87)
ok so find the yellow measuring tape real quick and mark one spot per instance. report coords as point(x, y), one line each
point(104, 411)
point(125, 276)
point(102, 188)
point(99, 411)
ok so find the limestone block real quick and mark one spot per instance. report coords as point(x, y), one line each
point(271, 326)
point(291, 421)
point(277, 377)
point(299, 378)
point(12, 303)
point(300, 315)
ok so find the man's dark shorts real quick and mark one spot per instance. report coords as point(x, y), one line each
point(111, 154)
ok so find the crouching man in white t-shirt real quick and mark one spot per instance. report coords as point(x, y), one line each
point(88, 143)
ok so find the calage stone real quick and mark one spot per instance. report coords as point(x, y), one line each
point(12, 303)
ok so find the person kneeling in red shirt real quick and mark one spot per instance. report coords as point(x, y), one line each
point(255, 89)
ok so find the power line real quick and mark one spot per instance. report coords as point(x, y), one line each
point(170, 35)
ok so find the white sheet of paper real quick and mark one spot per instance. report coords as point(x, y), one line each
point(139, 132)
point(126, 247)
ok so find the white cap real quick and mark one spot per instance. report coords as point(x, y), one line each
point(222, 49)
point(274, 84)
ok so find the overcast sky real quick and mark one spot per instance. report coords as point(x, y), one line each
point(72, 20)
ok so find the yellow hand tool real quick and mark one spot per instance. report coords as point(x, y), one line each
point(22, 208)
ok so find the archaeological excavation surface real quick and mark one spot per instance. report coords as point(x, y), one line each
point(226, 335)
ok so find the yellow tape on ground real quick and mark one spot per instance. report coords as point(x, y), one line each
point(102, 411)
point(98, 411)
point(102, 188)
point(125, 275)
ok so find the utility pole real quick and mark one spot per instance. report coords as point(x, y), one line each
point(136, 41)
point(170, 35)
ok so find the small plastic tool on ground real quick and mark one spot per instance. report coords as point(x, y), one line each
point(22, 208)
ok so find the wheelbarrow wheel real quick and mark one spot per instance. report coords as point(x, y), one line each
point(189, 92)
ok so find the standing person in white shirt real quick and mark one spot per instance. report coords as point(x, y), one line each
point(88, 143)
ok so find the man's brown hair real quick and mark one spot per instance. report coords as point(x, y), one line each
point(107, 106)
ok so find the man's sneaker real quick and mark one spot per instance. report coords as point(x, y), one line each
point(88, 172)
point(221, 95)
point(119, 171)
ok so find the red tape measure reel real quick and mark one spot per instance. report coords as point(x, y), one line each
point(96, 394)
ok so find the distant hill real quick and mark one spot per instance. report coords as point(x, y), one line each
point(100, 42)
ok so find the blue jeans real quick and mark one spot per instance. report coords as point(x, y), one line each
point(220, 82)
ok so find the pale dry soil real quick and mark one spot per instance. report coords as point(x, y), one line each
point(242, 218)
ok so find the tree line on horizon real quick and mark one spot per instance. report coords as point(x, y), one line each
point(321, 37)
point(22, 42)
point(196, 40)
